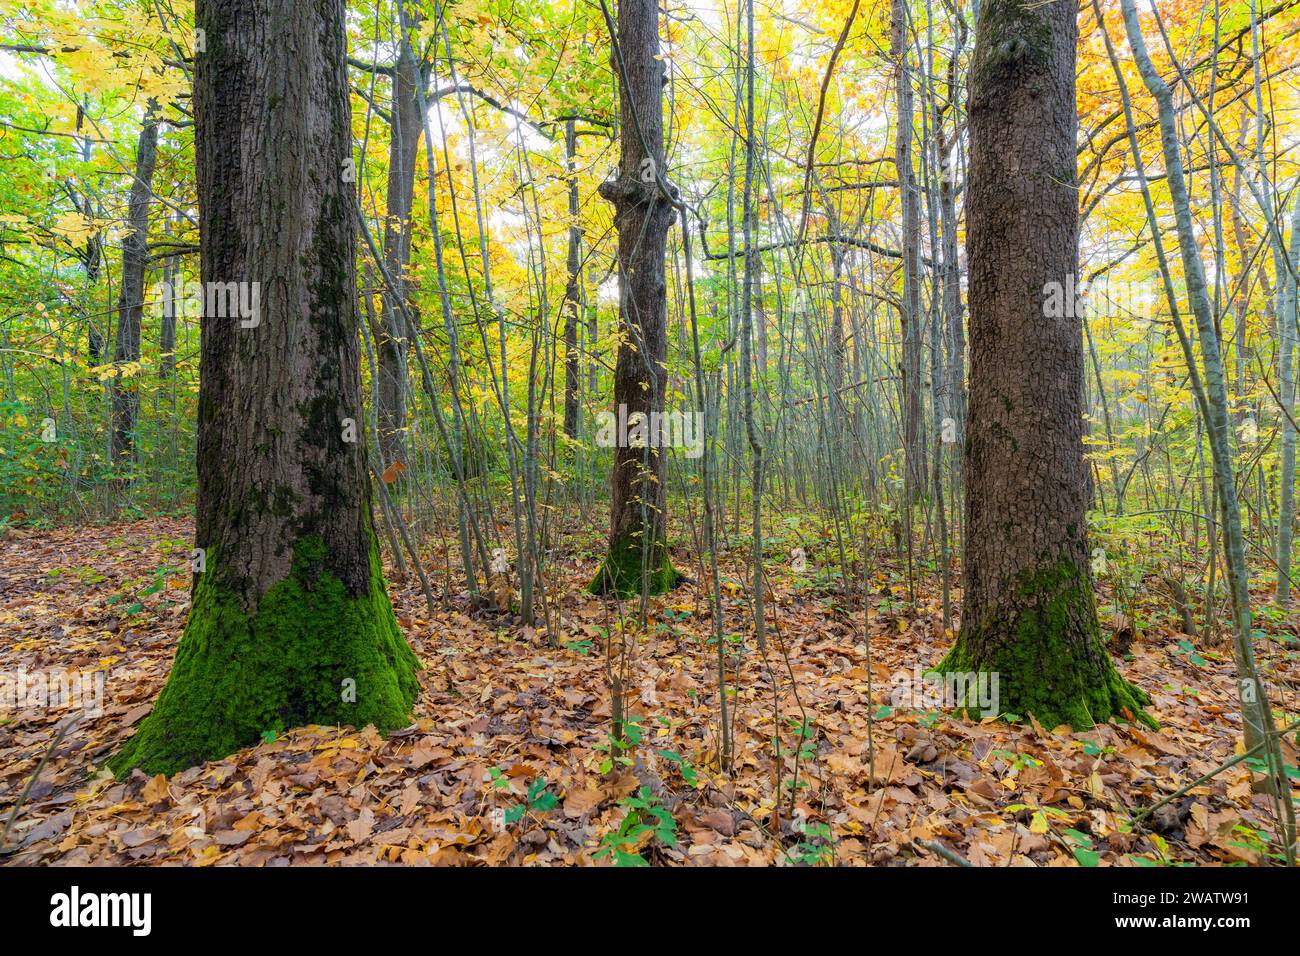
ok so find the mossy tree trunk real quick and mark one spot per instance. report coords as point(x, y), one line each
point(638, 553)
point(1029, 612)
point(290, 621)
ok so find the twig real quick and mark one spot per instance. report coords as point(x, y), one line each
point(939, 849)
point(63, 729)
point(1138, 817)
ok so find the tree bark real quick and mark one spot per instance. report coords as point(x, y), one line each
point(130, 300)
point(955, 332)
point(572, 291)
point(1257, 715)
point(1286, 320)
point(638, 553)
point(1029, 612)
point(913, 449)
point(838, 335)
point(393, 341)
point(290, 622)
point(91, 258)
point(167, 325)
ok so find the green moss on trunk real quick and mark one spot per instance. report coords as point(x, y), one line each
point(621, 574)
point(310, 653)
point(1046, 648)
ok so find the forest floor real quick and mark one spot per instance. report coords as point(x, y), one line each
point(507, 761)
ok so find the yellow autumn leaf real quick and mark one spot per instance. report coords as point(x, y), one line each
point(75, 227)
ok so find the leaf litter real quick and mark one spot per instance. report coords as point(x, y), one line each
point(508, 759)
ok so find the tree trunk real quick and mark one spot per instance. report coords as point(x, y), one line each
point(913, 449)
point(638, 551)
point(572, 291)
point(92, 258)
point(167, 325)
point(130, 300)
point(838, 336)
point(955, 331)
point(393, 340)
point(1257, 716)
point(1286, 320)
point(760, 317)
point(290, 622)
point(1029, 612)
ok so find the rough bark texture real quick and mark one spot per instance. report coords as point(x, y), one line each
point(1029, 611)
point(130, 300)
point(638, 553)
point(290, 621)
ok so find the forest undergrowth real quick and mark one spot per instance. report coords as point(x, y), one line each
point(511, 757)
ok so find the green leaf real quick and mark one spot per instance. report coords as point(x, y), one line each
point(1079, 837)
point(1086, 857)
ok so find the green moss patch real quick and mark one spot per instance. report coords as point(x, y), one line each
point(309, 653)
point(627, 567)
point(1047, 668)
